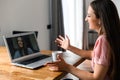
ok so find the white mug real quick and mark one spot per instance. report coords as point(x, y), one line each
point(54, 55)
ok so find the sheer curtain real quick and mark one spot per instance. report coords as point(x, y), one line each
point(74, 23)
point(75, 27)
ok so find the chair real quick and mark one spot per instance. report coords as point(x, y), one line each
point(17, 32)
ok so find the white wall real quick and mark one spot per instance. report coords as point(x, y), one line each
point(117, 3)
point(25, 15)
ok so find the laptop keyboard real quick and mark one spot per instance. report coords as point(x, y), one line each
point(34, 59)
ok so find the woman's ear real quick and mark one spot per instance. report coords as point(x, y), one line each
point(99, 22)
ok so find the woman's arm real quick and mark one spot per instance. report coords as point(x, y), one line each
point(98, 74)
point(65, 44)
point(87, 54)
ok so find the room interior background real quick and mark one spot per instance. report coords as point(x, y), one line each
point(35, 15)
point(25, 15)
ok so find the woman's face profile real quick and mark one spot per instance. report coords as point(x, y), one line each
point(92, 20)
point(20, 42)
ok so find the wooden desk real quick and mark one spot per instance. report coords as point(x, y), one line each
point(10, 72)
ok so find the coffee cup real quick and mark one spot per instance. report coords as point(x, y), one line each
point(55, 53)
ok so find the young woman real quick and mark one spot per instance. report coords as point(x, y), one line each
point(102, 17)
point(22, 48)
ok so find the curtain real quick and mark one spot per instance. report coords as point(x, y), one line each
point(75, 25)
point(57, 23)
point(85, 27)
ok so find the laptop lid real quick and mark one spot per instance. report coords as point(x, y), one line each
point(22, 46)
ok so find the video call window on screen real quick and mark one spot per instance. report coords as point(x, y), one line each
point(22, 45)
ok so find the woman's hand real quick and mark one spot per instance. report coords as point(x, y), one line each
point(59, 65)
point(63, 42)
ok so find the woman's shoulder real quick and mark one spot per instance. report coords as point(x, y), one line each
point(30, 50)
point(102, 38)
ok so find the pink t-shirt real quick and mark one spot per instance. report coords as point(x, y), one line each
point(100, 52)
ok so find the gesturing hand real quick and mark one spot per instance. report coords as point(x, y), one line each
point(63, 42)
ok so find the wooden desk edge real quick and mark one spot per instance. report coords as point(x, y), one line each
point(79, 62)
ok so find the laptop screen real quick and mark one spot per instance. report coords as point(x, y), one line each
point(22, 45)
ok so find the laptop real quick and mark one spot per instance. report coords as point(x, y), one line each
point(24, 51)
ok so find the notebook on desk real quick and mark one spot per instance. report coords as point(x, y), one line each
point(24, 51)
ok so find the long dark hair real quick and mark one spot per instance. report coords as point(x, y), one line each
point(24, 48)
point(106, 11)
